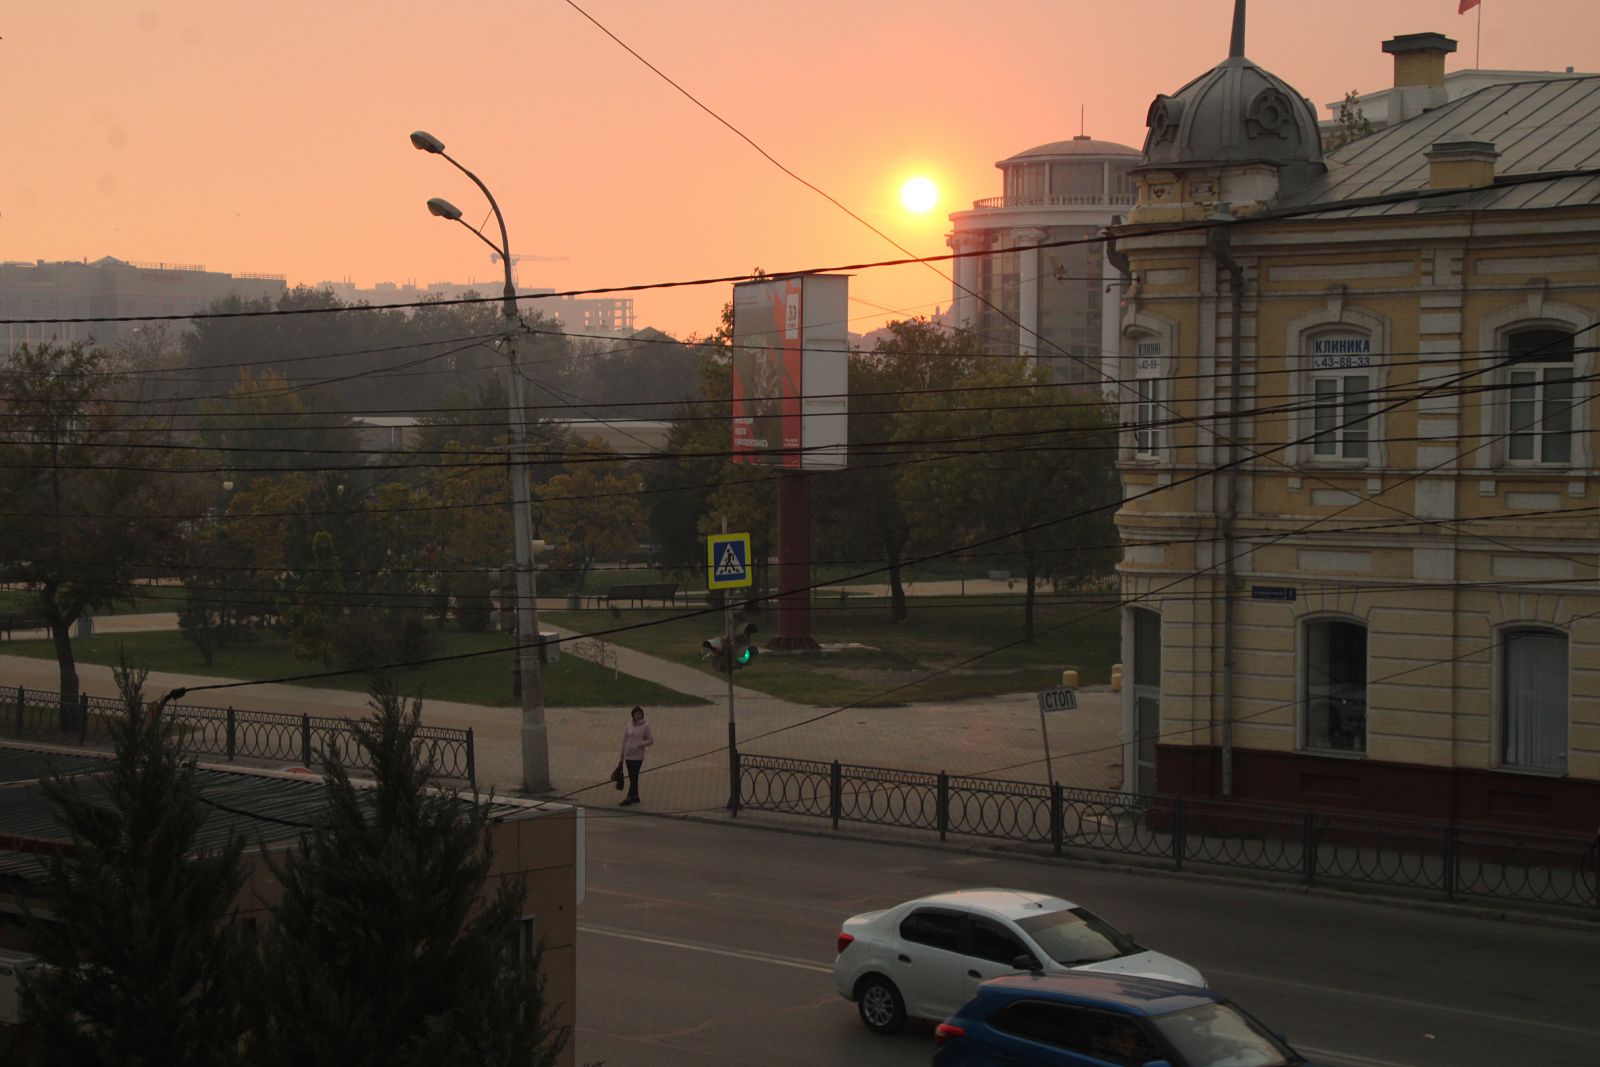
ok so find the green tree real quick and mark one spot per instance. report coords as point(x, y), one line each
point(319, 604)
point(96, 503)
point(269, 426)
point(382, 950)
point(591, 509)
point(859, 505)
point(1019, 459)
point(1353, 123)
point(138, 951)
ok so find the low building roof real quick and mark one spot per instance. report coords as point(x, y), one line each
point(1546, 127)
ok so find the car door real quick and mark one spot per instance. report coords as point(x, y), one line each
point(927, 963)
point(991, 949)
point(1041, 1033)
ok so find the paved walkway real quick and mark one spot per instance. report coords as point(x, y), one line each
point(688, 769)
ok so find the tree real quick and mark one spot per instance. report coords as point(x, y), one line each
point(318, 604)
point(591, 508)
point(96, 502)
point(859, 505)
point(1026, 473)
point(266, 425)
point(139, 957)
point(1353, 123)
point(382, 950)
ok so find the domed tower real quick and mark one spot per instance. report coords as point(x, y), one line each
point(1237, 135)
point(1043, 303)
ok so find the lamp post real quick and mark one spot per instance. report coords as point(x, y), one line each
point(535, 736)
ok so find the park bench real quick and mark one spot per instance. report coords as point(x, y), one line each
point(666, 592)
point(16, 620)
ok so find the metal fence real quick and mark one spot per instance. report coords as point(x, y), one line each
point(236, 734)
point(1312, 846)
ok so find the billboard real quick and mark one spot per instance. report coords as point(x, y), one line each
point(790, 371)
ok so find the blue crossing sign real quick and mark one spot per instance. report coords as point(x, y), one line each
point(728, 561)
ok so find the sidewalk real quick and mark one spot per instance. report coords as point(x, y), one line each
point(687, 770)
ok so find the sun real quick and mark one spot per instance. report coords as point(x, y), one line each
point(919, 195)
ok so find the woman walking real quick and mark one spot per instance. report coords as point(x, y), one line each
point(635, 739)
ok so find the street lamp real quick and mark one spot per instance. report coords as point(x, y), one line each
point(535, 736)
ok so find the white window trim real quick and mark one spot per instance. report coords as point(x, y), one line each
point(1336, 317)
point(1494, 331)
point(1145, 328)
point(1502, 713)
point(1302, 665)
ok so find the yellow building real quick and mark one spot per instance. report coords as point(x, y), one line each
point(1360, 495)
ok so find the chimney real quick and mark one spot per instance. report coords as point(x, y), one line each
point(1418, 73)
point(1461, 165)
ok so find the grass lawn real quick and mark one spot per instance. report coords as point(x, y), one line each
point(892, 667)
point(150, 600)
point(485, 679)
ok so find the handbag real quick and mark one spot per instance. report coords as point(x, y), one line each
point(616, 775)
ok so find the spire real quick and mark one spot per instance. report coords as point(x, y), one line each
point(1236, 46)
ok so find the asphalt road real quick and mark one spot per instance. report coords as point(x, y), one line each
point(710, 945)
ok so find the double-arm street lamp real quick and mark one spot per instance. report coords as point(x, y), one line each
point(535, 738)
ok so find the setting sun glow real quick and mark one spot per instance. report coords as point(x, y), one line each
point(919, 195)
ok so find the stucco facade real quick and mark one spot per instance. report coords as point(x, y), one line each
point(1361, 557)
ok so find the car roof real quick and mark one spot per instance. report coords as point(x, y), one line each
point(1129, 993)
point(1006, 903)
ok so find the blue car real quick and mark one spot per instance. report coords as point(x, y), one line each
point(1086, 1019)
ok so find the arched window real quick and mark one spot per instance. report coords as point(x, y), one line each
point(1339, 385)
point(1533, 699)
point(1333, 687)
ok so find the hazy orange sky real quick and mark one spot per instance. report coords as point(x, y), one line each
point(273, 137)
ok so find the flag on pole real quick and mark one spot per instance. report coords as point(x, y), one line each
point(1467, 5)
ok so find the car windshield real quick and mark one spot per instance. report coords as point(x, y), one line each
point(1220, 1035)
point(1075, 936)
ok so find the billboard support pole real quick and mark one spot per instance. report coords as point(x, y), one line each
point(794, 564)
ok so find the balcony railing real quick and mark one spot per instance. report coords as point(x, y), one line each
point(1107, 200)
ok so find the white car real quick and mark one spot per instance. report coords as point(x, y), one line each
point(925, 958)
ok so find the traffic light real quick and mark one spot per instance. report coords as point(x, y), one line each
point(728, 657)
point(743, 652)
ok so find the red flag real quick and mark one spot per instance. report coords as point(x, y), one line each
point(1468, 5)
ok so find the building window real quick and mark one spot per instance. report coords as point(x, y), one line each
point(1335, 686)
point(1539, 397)
point(1147, 417)
point(1340, 419)
point(1533, 697)
point(526, 940)
point(1148, 399)
point(1338, 390)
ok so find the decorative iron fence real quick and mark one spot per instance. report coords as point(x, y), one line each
point(1308, 845)
point(236, 734)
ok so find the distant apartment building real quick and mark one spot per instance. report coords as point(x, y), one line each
point(1043, 303)
point(1360, 459)
point(57, 292)
point(607, 317)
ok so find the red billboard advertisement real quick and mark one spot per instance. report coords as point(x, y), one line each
point(767, 369)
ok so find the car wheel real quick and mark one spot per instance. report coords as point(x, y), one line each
point(881, 1006)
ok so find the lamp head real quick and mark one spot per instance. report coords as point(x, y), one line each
point(444, 209)
point(427, 142)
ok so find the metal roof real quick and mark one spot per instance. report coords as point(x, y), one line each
point(1541, 127)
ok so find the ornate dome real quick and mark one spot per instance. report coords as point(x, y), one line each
point(1234, 113)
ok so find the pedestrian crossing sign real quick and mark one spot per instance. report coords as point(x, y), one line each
point(728, 561)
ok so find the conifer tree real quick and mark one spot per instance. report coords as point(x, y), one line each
point(136, 941)
point(380, 951)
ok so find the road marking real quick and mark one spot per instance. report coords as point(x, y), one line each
point(757, 957)
point(1347, 1058)
point(1402, 1002)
